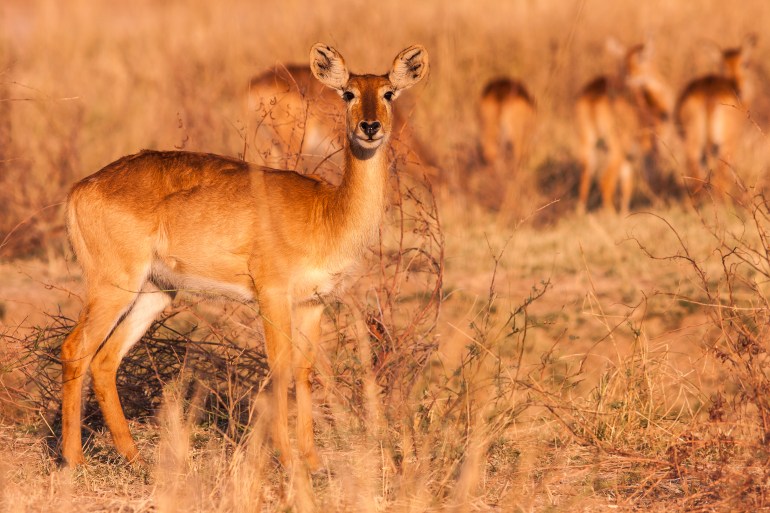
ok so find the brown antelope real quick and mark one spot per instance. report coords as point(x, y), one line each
point(506, 119)
point(151, 224)
point(296, 116)
point(623, 114)
point(299, 122)
point(710, 113)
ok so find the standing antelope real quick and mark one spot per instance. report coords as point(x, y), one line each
point(151, 224)
point(506, 119)
point(623, 113)
point(710, 113)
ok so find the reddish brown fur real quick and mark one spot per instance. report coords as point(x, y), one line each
point(710, 113)
point(624, 113)
point(154, 223)
point(506, 118)
point(296, 116)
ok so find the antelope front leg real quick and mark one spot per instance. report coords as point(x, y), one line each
point(626, 176)
point(276, 316)
point(308, 334)
point(588, 164)
point(609, 180)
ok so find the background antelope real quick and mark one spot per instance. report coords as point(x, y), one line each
point(710, 113)
point(506, 119)
point(152, 224)
point(506, 114)
point(297, 116)
point(622, 114)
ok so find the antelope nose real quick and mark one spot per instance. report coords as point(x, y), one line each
point(370, 128)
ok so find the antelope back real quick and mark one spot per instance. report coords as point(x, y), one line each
point(296, 120)
point(624, 113)
point(506, 120)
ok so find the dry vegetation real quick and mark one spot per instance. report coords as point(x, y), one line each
point(549, 363)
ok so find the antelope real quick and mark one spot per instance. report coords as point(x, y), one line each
point(300, 122)
point(298, 116)
point(624, 113)
point(151, 224)
point(506, 119)
point(710, 113)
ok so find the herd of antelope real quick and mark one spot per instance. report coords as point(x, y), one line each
point(626, 114)
point(158, 222)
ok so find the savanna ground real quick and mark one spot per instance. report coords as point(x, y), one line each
point(545, 362)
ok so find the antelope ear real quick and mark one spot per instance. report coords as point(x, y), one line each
point(328, 66)
point(409, 67)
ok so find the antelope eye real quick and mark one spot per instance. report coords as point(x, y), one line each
point(348, 96)
point(389, 95)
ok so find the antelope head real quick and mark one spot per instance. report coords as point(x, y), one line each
point(368, 98)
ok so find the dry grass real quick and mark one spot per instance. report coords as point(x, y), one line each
point(568, 364)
